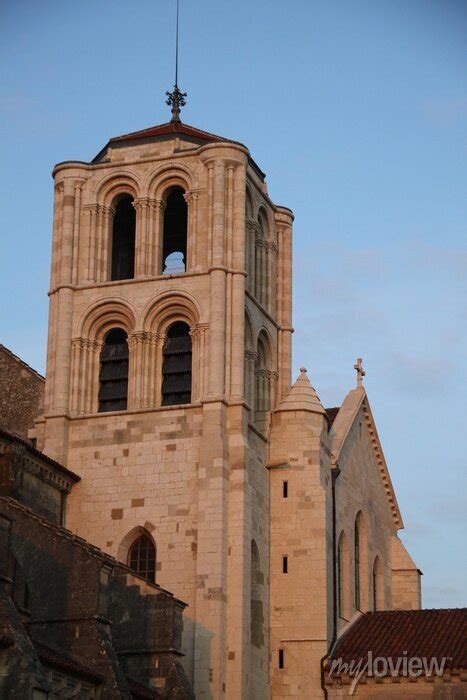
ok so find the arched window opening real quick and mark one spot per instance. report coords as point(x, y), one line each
point(342, 576)
point(256, 604)
point(123, 240)
point(142, 558)
point(357, 563)
point(176, 365)
point(113, 374)
point(262, 379)
point(377, 585)
point(174, 245)
point(20, 588)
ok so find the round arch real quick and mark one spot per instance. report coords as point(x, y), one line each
point(167, 176)
point(103, 315)
point(115, 184)
point(167, 308)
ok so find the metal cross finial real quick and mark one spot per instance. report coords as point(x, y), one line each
point(176, 98)
point(360, 371)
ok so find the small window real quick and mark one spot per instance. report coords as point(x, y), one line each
point(285, 565)
point(113, 373)
point(174, 245)
point(285, 489)
point(176, 366)
point(142, 558)
point(123, 240)
point(281, 658)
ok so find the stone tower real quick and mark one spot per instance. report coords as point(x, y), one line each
point(169, 345)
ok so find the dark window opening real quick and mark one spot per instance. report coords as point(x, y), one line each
point(285, 489)
point(142, 558)
point(281, 658)
point(340, 591)
point(123, 240)
point(285, 565)
point(375, 589)
point(176, 365)
point(357, 564)
point(113, 374)
point(175, 233)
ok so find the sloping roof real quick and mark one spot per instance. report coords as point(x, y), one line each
point(55, 659)
point(21, 362)
point(175, 129)
point(301, 397)
point(356, 399)
point(63, 533)
point(400, 558)
point(140, 691)
point(11, 437)
point(171, 128)
point(412, 633)
point(332, 415)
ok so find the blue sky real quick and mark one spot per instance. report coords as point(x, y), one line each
point(357, 112)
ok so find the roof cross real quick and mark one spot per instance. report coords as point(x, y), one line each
point(360, 371)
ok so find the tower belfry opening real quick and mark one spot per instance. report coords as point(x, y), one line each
point(175, 233)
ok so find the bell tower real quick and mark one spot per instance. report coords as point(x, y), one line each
point(169, 344)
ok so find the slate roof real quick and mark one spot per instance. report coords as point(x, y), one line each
point(438, 633)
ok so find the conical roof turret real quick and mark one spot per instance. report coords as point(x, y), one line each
point(302, 397)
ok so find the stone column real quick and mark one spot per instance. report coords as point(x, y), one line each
point(158, 236)
point(191, 198)
point(238, 286)
point(108, 214)
point(76, 232)
point(92, 225)
point(284, 219)
point(141, 243)
point(218, 286)
point(64, 304)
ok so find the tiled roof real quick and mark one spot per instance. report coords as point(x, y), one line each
point(415, 633)
point(53, 658)
point(171, 128)
point(140, 691)
point(6, 434)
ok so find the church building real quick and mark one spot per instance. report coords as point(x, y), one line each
point(203, 465)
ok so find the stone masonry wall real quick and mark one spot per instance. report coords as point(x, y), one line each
point(21, 393)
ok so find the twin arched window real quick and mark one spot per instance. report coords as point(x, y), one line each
point(174, 236)
point(176, 368)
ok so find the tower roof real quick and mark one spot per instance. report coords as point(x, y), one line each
point(172, 129)
point(302, 397)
